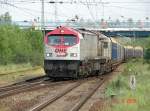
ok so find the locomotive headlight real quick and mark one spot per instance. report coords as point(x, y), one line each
point(49, 54)
point(73, 54)
point(62, 31)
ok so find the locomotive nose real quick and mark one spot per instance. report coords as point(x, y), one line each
point(60, 68)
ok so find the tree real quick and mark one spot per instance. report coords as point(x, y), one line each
point(139, 24)
point(5, 18)
point(147, 22)
point(103, 24)
point(20, 46)
point(130, 22)
point(117, 23)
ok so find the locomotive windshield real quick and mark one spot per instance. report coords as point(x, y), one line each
point(66, 40)
point(54, 40)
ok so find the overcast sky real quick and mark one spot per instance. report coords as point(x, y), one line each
point(111, 9)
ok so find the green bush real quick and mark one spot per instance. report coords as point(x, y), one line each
point(147, 54)
point(20, 46)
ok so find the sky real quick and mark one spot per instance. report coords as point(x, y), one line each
point(21, 10)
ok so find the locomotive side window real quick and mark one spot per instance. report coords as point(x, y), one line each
point(105, 45)
point(66, 40)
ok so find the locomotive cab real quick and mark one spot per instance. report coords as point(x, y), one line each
point(62, 53)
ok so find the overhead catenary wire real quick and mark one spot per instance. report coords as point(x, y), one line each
point(87, 3)
point(79, 2)
point(12, 5)
point(132, 9)
point(26, 10)
point(91, 14)
point(83, 3)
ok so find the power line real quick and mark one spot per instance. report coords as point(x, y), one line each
point(86, 3)
point(42, 16)
point(12, 5)
point(130, 2)
point(90, 10)
point(132, 9)
point(79, 2)
point(28, 11)
point(93, 18)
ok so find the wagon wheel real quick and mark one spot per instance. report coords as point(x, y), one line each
point(83, 72)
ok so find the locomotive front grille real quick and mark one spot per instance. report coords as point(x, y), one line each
point(61, 68)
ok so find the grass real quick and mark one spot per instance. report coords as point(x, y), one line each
point(6, 79)
point(122, 97)
point(14, 68)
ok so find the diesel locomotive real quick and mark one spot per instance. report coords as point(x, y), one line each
point(74, 53)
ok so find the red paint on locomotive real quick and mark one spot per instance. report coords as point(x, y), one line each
point(62, 31)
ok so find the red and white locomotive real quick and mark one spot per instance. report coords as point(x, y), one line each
point(71, 53)
point(62, 52)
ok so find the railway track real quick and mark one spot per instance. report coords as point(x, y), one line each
point(23, 83)
point(23, 86)
point(28, 86)
point(49, 101)
point(77, 105)
point(42, 82)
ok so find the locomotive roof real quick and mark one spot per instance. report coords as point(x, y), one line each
point(129, 47)
point(85, 31)
point(63, 30)
point(138, 47)
point(114, 40)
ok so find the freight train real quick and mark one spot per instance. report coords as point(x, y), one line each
point(74, 53)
